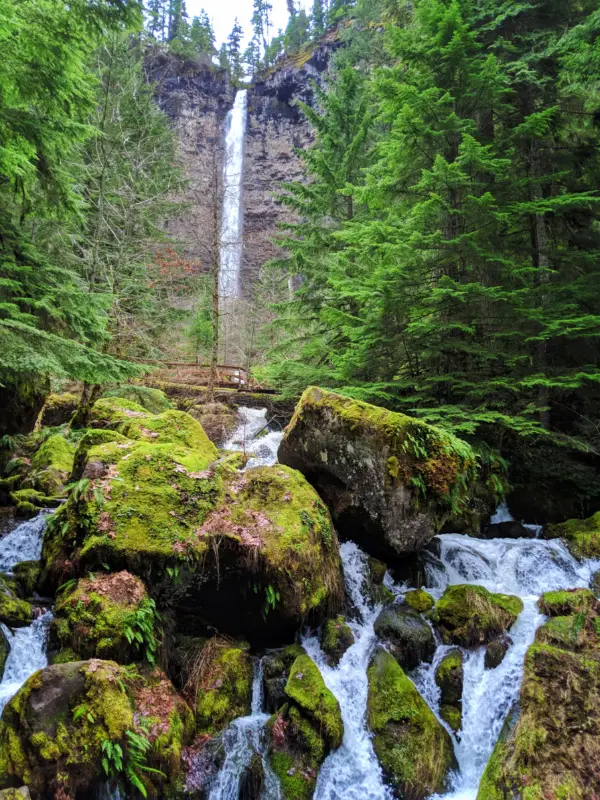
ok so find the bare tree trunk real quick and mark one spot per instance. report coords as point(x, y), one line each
point(89, 395)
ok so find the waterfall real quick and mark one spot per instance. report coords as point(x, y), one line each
point(27, 645)
point(230, 255)
point(253, 436)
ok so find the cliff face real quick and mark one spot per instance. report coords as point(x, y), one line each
point(198, 98)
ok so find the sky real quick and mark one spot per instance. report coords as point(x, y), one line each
point(224, 12)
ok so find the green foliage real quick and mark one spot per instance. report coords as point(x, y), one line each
point(140, 629)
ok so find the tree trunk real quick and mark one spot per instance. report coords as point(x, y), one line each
point(89, 395)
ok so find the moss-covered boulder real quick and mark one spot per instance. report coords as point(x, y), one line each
point(108, 616)
point(15, 794)
point(495, 651)
point(449, 677)
point(389, 480)
point(58, 409)
point(550, 750)
point(374, 585)
point(276, 671)
point(51, 465)
point(219, 684)
point(218, 420)
point(336, 638)
point(153, 400)
point(414, 750)
point(252, 554)
point(14, 612)
point(304, 730)
point(4, 651)
point(419, 600)
point(69, 720)
point(566, 602)
point(406, 634)
point(581, 535)
point(469, 615)
point(26, 577)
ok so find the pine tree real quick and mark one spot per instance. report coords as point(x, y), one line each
point(318, 19)
point(261, 22)
point(202, 35)
point(297, 32)
point(233, 50)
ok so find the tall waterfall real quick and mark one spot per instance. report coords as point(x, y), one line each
point(230, 255)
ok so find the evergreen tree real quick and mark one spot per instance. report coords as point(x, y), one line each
point(338, 9)
point(318, 18)
point(202, 35)
point(233, 50)
point(297, 32)
point(261, 22)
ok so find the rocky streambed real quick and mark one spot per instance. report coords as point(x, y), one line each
point(210, 637)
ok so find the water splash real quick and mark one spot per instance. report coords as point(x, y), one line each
point(27, 655)
point(230, 255)
point(252, 436)
point(24, 543)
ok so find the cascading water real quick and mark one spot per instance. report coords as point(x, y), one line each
point(230, 255)
point(27, 645)
point(523, 567)
point(352, 772)
point(252, 436)
point(244, 738)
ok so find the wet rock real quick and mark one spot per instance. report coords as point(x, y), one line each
point(218, 420)
point(14, 612)
point(27, 576)
point(108, 616)
point(254, 555)
point(304, 731)
point(64, 718)
point(495, 651)
point(419, 600)
point(449, 677)
point(365, 461)
point(595, 583)
point(414, 750)
point(469, 615)
point(507, 530)
point(4, 651)
point(276, 670)
point(582, 536)
point(565, 602)
point(252, 780)
point(336, 638)
point(560, 691)
point(373, 584)
point(406, 634)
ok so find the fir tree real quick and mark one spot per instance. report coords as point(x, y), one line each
point(202, 35)
point(318, 18)
point(233, 50)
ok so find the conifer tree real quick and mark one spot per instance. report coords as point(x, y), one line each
point(233, 50)
point(318, 18)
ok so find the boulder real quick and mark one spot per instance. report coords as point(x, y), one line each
point(27, 576)
point(303, 732)
point(406, 634)
point(449, 677)
point(107, 616)
point(595, 583)
point(419, 600)
point(495, 652)
point(413, 749)
point(71, 723)
point(14, 612)
point(507, 530)
point(153, 400)
point(51, 465)
point(469, 615)
point(276, 670)
point(336, 638)
point(4, 651)
point(374, 586)
point(552, 748)
point(58, 409)
point(389, 480)
point(565, 602)
point(581, 535)
point(253, 555)
point(15, 794)
point(218, 420)
point(219, 685)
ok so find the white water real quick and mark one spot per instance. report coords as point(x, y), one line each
point(242, 739)
point(27, 645)
point(230, 255)
point(352, 772)
point(523, 567)
point(247, 437)
point(22, 544)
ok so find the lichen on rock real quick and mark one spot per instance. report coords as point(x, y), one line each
point(389, 479)
point(414, 750)
point(469, 615)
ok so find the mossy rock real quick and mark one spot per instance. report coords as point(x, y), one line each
point(595, 583)
point(304, 730)
point(419, 600)
point(55, 731)
point(218, 420)
point(373, 583)
point(582, 535)
point(65, 656)
point(390, 480)
point(567, 633)
point(14, 612)
point(406, 634)
point(153, 400)
point(495, 651)
point(15, 794)
point(252, 554)
point(566, 602)
point(109, 617)
point(51, 465)
point(276, 670)
point(449, 676)
point(58, 409)
point(30, 496)
point(27, 577)
point(220, 688)
point(452, 716)
point(336, 638)
point(469, 615)
point(112, 412)
point(92, 438)
point(413, 749)
point(4, 651)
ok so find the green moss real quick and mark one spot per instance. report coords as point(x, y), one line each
point(336, 638)
point(420, 600)
point(115, 411)
point(413, 748)
point(565, 603)
point(55, 453)
point(224, 689)
point(65, 655)
point(30, 497)
point(452, 715)
point(469, 615)
point(174, 427)
point(4, 651)
point(153, 400)
point(27, 576)
point(296, 783)
point(14, 612)
point(307, 689)
point(582, 535)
